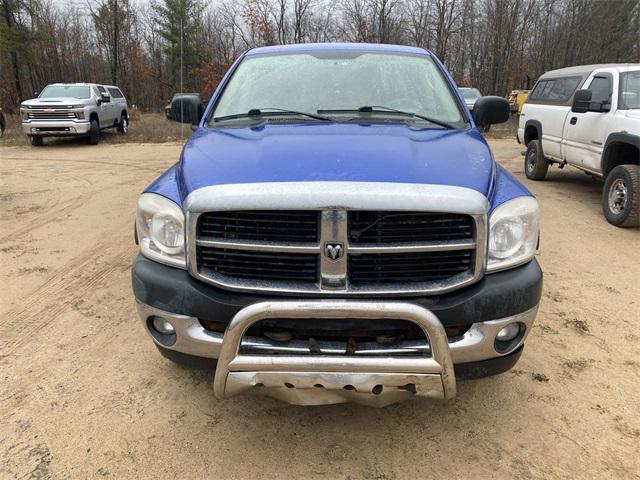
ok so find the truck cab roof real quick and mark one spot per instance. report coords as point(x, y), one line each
point(585, 70)
point(369, 47)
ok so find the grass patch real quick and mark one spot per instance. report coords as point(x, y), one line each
point(580, 325)
point(579, 364)
point(143, 128)
point(504, 130)
point(550, 330)
point(539, 377)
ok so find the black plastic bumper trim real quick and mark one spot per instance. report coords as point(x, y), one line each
point(487, 368)
point(497, 295)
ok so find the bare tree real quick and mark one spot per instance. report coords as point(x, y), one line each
point(495, 45)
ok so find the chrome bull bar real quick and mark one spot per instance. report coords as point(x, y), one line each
point(325, 379)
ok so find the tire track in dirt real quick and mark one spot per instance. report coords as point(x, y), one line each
point(88, 163)
point(50, 215)
point(80, 181)
point(77, 279)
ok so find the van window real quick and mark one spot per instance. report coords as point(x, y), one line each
point(115, 93)
point(629, 90)
point(541, 90)
point(601, 88)
point(555, 90)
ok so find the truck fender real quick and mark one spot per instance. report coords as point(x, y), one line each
point(609, 160)
point(532, 124)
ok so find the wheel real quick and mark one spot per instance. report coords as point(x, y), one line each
point(94, 133)
point(123, 126)
point(535, 165)
point(36, 141)
point(621, 196)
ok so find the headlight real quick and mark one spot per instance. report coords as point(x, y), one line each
point(160, 227)
point(513, 233)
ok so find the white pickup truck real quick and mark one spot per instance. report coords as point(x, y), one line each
point(74, 109)
point(588, 117)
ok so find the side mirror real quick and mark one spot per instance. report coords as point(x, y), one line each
point(98, 101)
point(36, 94)
point(186, 109)
point(490, 110)
point(581, 101)
point(105, 97)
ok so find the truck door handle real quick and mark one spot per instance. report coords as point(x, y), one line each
point(574, 120)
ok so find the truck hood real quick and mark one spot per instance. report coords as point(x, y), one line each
point(55, 101)
point(335, 152)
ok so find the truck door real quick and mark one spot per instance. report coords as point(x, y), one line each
point(102, 113)
point(585, 133)
point(107, 109)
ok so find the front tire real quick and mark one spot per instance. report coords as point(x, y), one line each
point(94, 133)
point(621, 196)
point(36, 141)
point(123, 126)
point(535, 165)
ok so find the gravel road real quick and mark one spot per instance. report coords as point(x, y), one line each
point(84, 394)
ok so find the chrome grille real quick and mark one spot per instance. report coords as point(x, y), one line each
point(299, 267)
point(51, 114)
point(383, 252)
point(384, 268)
point(260, 226)
point(390, 227)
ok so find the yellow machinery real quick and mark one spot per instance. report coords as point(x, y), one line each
point(516, 99)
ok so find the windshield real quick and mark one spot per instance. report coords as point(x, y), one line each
point(629, 90)
point(470, 93)
point(73, 91)
point(340, 80)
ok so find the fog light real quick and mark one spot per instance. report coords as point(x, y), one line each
point(508, 333)
point(163, 326)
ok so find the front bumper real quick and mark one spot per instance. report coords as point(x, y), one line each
point(55, 128)
point(401, 370)
point(318, 378)
point(475, 345)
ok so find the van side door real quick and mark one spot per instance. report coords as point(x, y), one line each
point(586, 132)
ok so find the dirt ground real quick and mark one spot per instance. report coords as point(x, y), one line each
point(84, 393)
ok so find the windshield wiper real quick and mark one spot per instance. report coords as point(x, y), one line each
point(381, 109)
point(260, 112)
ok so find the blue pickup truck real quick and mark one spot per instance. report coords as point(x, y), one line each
point(336, 229)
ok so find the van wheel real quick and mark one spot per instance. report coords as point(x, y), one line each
point(123, 126)
point(535, 165)
point(36, 141)
point(621, 196)
point(94, 133)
